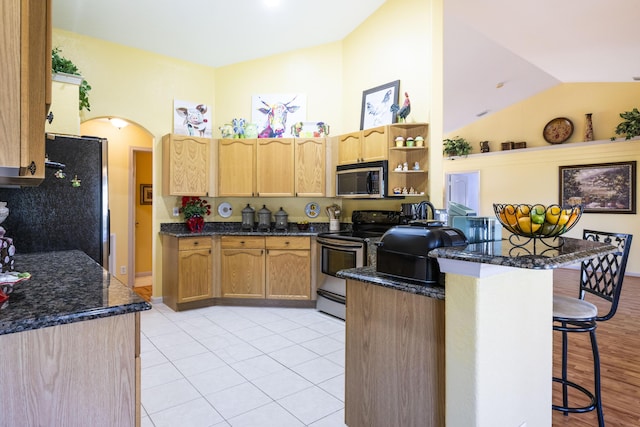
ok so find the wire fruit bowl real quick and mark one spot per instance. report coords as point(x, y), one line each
point(537, 221)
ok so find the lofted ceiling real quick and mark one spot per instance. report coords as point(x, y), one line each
point(497, 52)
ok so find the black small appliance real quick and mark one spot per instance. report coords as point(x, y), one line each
point(403, 250)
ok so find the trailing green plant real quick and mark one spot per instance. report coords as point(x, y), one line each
point(630, 127)
point(456, 146)
point(60, 64)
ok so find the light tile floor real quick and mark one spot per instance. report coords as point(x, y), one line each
point(242, 366)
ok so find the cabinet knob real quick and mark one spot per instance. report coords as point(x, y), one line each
point(242, 242)
point(195, 243)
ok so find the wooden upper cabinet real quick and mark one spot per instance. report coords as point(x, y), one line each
point(186, 164)
point(349, 148)
point(374, 144)
point(274, 166)
point(363, 146)
point(25, 43)
point(236, 167)
point(310, 167)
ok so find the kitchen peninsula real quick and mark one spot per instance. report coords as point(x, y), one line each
point(70, 345)
point(492, 363)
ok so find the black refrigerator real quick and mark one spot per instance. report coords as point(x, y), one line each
point(70, 208)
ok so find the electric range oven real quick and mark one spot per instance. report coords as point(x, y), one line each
point(348, 249)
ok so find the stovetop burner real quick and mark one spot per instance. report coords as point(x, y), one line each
point(367, 224)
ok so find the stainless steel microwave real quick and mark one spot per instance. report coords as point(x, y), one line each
point(366, 180)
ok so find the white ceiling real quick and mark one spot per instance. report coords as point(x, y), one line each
point(526, 46)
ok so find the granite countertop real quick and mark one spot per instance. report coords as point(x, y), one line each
point(526, 253)
point(370, 275)
point(65, 287)
point(514, 253)
point(179, 229)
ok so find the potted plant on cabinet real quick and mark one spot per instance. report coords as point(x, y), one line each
point(456, 147)
point(62, 65)
point(630, 126)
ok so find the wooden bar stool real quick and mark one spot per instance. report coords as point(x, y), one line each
point(601, 277)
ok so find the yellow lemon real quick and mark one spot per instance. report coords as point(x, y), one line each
point(526, 226)
point(522, 211)
point(552, 215)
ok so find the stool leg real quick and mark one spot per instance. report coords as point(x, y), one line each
point(596, 377)
point(565, 396)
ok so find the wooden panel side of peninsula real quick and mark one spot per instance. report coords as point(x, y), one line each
point(395, 358)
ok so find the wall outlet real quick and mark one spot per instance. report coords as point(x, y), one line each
point(123, 269)
point(176, 211)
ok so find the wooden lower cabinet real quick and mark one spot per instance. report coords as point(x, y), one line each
point(288, 274)
point(265, 267)
point(242, 267)
point(395, 361)
point(187, 270)
point(78, 374)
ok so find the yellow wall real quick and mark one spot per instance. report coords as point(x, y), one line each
point(532, 175)
point(525, 120)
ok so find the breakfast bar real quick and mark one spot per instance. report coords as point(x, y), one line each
point(492, 363)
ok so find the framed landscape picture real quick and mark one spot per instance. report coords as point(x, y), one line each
point(600, 188)
point(376, 105)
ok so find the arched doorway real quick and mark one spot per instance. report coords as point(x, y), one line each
point(129, 155)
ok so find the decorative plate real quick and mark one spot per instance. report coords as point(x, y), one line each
point(558, 130)
point(312, 210)
point(225, 210)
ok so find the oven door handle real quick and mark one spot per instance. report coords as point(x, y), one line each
point(334, 245)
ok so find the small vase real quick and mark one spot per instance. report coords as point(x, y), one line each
point(588, 131)
point(195, 224)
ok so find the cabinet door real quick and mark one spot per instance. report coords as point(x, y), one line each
point(310, 161)
point(186, 165)
point(274, 167)
point(374, 144)
point(25, 41)
point(349, 148)
point(236, 167)
point(242, 274)
point(194, 282)
point(288, 274)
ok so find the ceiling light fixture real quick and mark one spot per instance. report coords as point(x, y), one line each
point(272, 3)
point(119, 123)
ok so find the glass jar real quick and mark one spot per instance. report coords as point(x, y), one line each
point(248, 218)
point(282, 220)
point(264, 219)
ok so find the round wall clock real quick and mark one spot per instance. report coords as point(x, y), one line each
point(558, 130)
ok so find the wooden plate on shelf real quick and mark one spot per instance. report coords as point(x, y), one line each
point(558, 130)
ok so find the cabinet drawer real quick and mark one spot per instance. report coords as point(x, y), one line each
point(288, 242)
point(239, 242)
point(189, 243)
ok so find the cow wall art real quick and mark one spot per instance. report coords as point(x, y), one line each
point(274, 113)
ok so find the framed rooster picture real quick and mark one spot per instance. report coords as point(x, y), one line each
point(377, 105)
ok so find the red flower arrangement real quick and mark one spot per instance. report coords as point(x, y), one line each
point(194, 206)
point(194, 210)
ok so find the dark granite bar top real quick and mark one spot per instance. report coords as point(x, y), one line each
point(508, 253)
point(65, 287)
point(179, 229)
point(370, 275)
point(526, 253)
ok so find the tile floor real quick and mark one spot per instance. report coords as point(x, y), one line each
point(242, 366)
